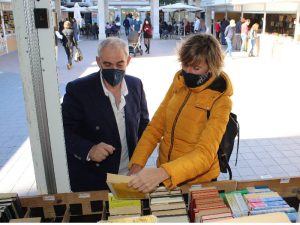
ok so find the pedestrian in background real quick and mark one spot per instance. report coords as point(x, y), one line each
point(224, 24)
point(68, 42)
point(147, 30)
point(137, 24)
point(229, 35)
point(253, 38)
point(244, 34)
point(218, 29)
point(126, 25)
point(75, 29)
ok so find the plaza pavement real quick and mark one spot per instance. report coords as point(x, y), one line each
point(265, 100)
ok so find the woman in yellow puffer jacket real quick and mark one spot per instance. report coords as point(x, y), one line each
point(188, 139)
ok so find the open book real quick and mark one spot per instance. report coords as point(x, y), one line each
point(118, 185)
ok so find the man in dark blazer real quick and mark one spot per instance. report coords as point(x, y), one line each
point(104, 115)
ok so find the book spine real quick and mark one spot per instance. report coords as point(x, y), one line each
point(233, 205)
point(242, 204)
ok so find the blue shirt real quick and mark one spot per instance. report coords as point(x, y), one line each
point(137, 25)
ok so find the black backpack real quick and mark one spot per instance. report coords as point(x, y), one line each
point(227, 143)
point(232, 130)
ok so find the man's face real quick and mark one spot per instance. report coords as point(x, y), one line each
point(113, 58)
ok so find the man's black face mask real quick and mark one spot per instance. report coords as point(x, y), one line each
point(113, 76)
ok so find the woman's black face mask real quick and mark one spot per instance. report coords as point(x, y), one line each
point(113, 76)
point(194, 80)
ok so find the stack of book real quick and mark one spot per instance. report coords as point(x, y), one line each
point(10, 207)
point(168, 206)
point(206, 205)
point(237, 204)
point(268, 202)
point(119, 209)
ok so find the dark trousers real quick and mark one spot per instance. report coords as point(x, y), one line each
point(69, 52)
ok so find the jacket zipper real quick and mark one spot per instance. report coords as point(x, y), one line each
point(175, 122)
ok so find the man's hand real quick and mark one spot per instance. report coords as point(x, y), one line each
point(100, 152)
point(135, 169)
point(148, 179)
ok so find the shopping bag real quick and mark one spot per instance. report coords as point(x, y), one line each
point(78, 55)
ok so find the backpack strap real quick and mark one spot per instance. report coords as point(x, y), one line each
point(223, 155)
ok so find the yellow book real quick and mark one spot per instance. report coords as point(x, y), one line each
point(118, 185)
point(141, 219)
point(120, 207)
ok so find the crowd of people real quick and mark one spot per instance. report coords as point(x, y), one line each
point(236, 35)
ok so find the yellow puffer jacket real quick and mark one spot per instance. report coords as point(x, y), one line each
point(188, 140)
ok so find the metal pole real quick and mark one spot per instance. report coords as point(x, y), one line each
point(101, 19)
point(4, 32)
point(155, 18)
point(40, 87)
point(58, 10)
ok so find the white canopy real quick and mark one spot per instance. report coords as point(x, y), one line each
point(179, 7)
point(95, 8)
point(144, 9)
point(76, 8)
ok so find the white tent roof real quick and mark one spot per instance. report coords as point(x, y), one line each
point(144, 9)
point(178, 7)
point(95, 8)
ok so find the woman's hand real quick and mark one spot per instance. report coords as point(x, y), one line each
point(135, 169)
point(148, 179)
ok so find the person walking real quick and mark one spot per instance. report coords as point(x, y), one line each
point(218, 29)
point(244, 35)
point(229, 35)
point(147, 30)
point(197, 24)
point(75, 28)
point(253, 37)
point(68, 42)
point(126, 25)
point(137, 24)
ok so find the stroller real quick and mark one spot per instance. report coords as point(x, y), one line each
point(134, 43)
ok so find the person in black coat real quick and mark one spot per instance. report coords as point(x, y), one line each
point(68, 42)
point(104, 115)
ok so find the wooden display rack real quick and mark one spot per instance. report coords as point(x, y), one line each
point(93, 207)
point(67, 207)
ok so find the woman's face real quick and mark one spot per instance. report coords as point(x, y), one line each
point(202, 68)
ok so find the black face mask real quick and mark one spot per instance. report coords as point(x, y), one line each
point(194, 80)
point(113, 76)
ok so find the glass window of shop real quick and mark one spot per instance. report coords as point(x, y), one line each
point(281, 24)
point(8, 22)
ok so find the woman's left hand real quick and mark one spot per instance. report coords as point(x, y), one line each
point(148, 179)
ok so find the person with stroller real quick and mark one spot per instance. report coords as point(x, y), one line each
point(137, 25)
point(147, 30)
point(188, 139)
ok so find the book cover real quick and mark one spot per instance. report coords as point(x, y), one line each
point(118, 185)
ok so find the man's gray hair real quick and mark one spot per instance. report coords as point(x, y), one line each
point(113, 41)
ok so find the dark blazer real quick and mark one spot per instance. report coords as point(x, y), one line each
point(88, 119)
